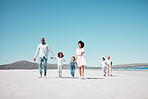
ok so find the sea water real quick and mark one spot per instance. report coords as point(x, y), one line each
point(128, 69)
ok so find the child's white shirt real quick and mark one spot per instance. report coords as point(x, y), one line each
point(60, 61)
point(103, 63)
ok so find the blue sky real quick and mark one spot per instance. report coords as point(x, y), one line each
point(118, 28)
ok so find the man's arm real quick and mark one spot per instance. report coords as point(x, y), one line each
point(37, 51)
point(111, 63)
point(106, 64)
point(49, 49)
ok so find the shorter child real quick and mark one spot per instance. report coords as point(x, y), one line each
point(103, 66)
point(72, 66)
point(60, 61)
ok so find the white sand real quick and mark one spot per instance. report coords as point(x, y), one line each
point(24, 84)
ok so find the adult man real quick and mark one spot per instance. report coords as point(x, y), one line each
point(43, 50)
point(109, 67)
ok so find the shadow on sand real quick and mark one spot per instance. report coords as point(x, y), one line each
point(114, 76)
point(94, 78)
point(75, 78)
point(86, 77)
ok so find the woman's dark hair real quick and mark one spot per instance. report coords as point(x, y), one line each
point(59, 54)
point(103, 58)
point(73, 57)
point(82, 44)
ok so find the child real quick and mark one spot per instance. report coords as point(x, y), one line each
point(72, 66)
point(60, 60)
point(103, 66)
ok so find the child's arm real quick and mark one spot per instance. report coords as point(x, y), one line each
point(75, 64)
point(101, 65)
point(54, 58)
point(64, 62)
point(69, 63)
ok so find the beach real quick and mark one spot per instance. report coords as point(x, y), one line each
point(25, 84)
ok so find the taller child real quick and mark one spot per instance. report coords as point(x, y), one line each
point(80, 59)
point(43, 50)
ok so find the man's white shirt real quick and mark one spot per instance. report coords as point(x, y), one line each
point(109, 62)
point(43, 50)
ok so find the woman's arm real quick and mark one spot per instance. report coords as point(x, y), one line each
point(76, 59)
point(54, 58)
point(82, 53)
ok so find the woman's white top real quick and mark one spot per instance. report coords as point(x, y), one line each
point(80, 59)
point(60, 60)
point(103, 63)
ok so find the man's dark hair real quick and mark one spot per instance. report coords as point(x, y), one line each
point(59, 55)
point(82, 44)
point(103, 58)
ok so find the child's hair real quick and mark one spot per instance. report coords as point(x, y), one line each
point(103, 58)
point(82, 44)
point(59, 55)
point(73, 57)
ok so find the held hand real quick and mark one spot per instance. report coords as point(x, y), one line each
point(34, 59)
point(51, 58)
point(75, 61)
point(65, 64)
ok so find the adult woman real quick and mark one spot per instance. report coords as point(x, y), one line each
point(80, 59)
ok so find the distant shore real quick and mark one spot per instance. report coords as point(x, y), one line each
point(32, 65)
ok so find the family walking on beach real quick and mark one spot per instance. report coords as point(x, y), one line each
point(79, 60)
